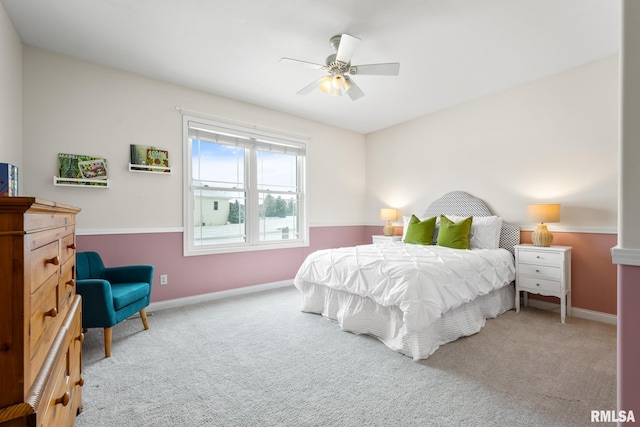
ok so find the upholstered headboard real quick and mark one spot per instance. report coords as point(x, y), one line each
point(461, 203)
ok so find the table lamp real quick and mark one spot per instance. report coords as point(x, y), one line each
point(388, 214)
point(543, 213)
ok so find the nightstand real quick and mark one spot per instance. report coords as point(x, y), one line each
point(544, 271)
point(383, 239)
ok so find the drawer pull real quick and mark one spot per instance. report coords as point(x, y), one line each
point(64, 399)
point(55, 260)
point(71, 282)
point(52, 313)
point(80, 382)
point(80, 337)
point(71, 246)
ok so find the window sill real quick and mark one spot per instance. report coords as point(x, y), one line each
point(248, 248)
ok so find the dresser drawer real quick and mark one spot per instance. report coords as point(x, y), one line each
point(540, 257)
point(44, 311)
point(67, 286)
point(38, 220)
point(43, 325)
point(541, 271)
point(534, 285)
point(63, 390)
point(67, 245)
point(59, 398)
point(44, 263)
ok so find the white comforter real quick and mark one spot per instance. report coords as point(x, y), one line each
point(422, 281)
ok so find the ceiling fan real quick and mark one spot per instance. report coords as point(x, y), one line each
point(338, 66)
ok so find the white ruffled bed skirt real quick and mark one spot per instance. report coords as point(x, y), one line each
point(362, 315)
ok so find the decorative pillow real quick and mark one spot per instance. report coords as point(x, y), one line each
point(455, 234)
point(405, 224)
point(420, 232)
point(485, 231)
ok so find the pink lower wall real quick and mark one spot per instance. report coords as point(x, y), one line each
point(195, 275)
point(629, 339)
point(594, 277)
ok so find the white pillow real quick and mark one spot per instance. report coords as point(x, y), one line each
point(485, 231)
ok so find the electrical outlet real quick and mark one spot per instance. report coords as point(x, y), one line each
point(163, 279)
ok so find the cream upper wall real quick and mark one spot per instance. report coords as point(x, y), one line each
point(551, 140)
point(72, 106)
point(10, 92)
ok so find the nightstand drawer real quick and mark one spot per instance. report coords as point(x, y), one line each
point(540, 257)
point(534, 285)
point(542, 271)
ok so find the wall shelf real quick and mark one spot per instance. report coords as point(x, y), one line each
point(76, 182)
point(150, 169)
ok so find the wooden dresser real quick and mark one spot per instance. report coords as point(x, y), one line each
point(40, 314)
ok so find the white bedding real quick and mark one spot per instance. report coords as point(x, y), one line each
point(423, 282)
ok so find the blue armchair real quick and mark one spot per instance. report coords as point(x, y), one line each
point(110, 295)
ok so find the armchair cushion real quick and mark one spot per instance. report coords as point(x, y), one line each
point(128, 293)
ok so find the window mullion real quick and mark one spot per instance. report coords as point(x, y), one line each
point(253, 201)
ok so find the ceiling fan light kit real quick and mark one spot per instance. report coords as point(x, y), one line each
point(338, 66)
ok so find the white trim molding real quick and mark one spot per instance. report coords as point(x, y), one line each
point(625, 256)
point(573, 229)
point(94, 232)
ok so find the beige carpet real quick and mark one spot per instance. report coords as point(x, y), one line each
point(256, 360)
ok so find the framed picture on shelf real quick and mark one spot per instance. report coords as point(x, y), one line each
point(146, 158)
point(81, 170)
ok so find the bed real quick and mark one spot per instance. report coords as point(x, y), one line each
point(414, 297)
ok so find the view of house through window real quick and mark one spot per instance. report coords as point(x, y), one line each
point(246, 189)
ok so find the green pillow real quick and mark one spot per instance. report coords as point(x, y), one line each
point(455, 234)
point(420, 232)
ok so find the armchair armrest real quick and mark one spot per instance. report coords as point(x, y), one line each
point(129, 273)
point(97, 303)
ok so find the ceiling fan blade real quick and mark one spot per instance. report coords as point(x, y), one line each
point(387, 69)
point(348, 45)
point(306, 64)
point(352, 89)
point(316, 84)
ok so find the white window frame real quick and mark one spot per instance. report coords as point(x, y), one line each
point(252, 218)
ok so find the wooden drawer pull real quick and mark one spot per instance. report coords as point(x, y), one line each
point(80, 382)
point(55, 260)
point(71, 246)
point(64, 399)
point(71, 282)
point(80, 337)
point(52, 313)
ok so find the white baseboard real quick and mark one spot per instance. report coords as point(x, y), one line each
point(582, 313)
point(181, 302)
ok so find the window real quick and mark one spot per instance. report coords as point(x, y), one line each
point(245, 189)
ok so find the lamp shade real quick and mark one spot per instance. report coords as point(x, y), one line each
point(388, 214)
point(544, 212)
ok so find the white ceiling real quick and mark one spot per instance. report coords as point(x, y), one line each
point(450, 51)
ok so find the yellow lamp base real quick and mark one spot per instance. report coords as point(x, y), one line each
point(542, 236)
point(388, 229)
